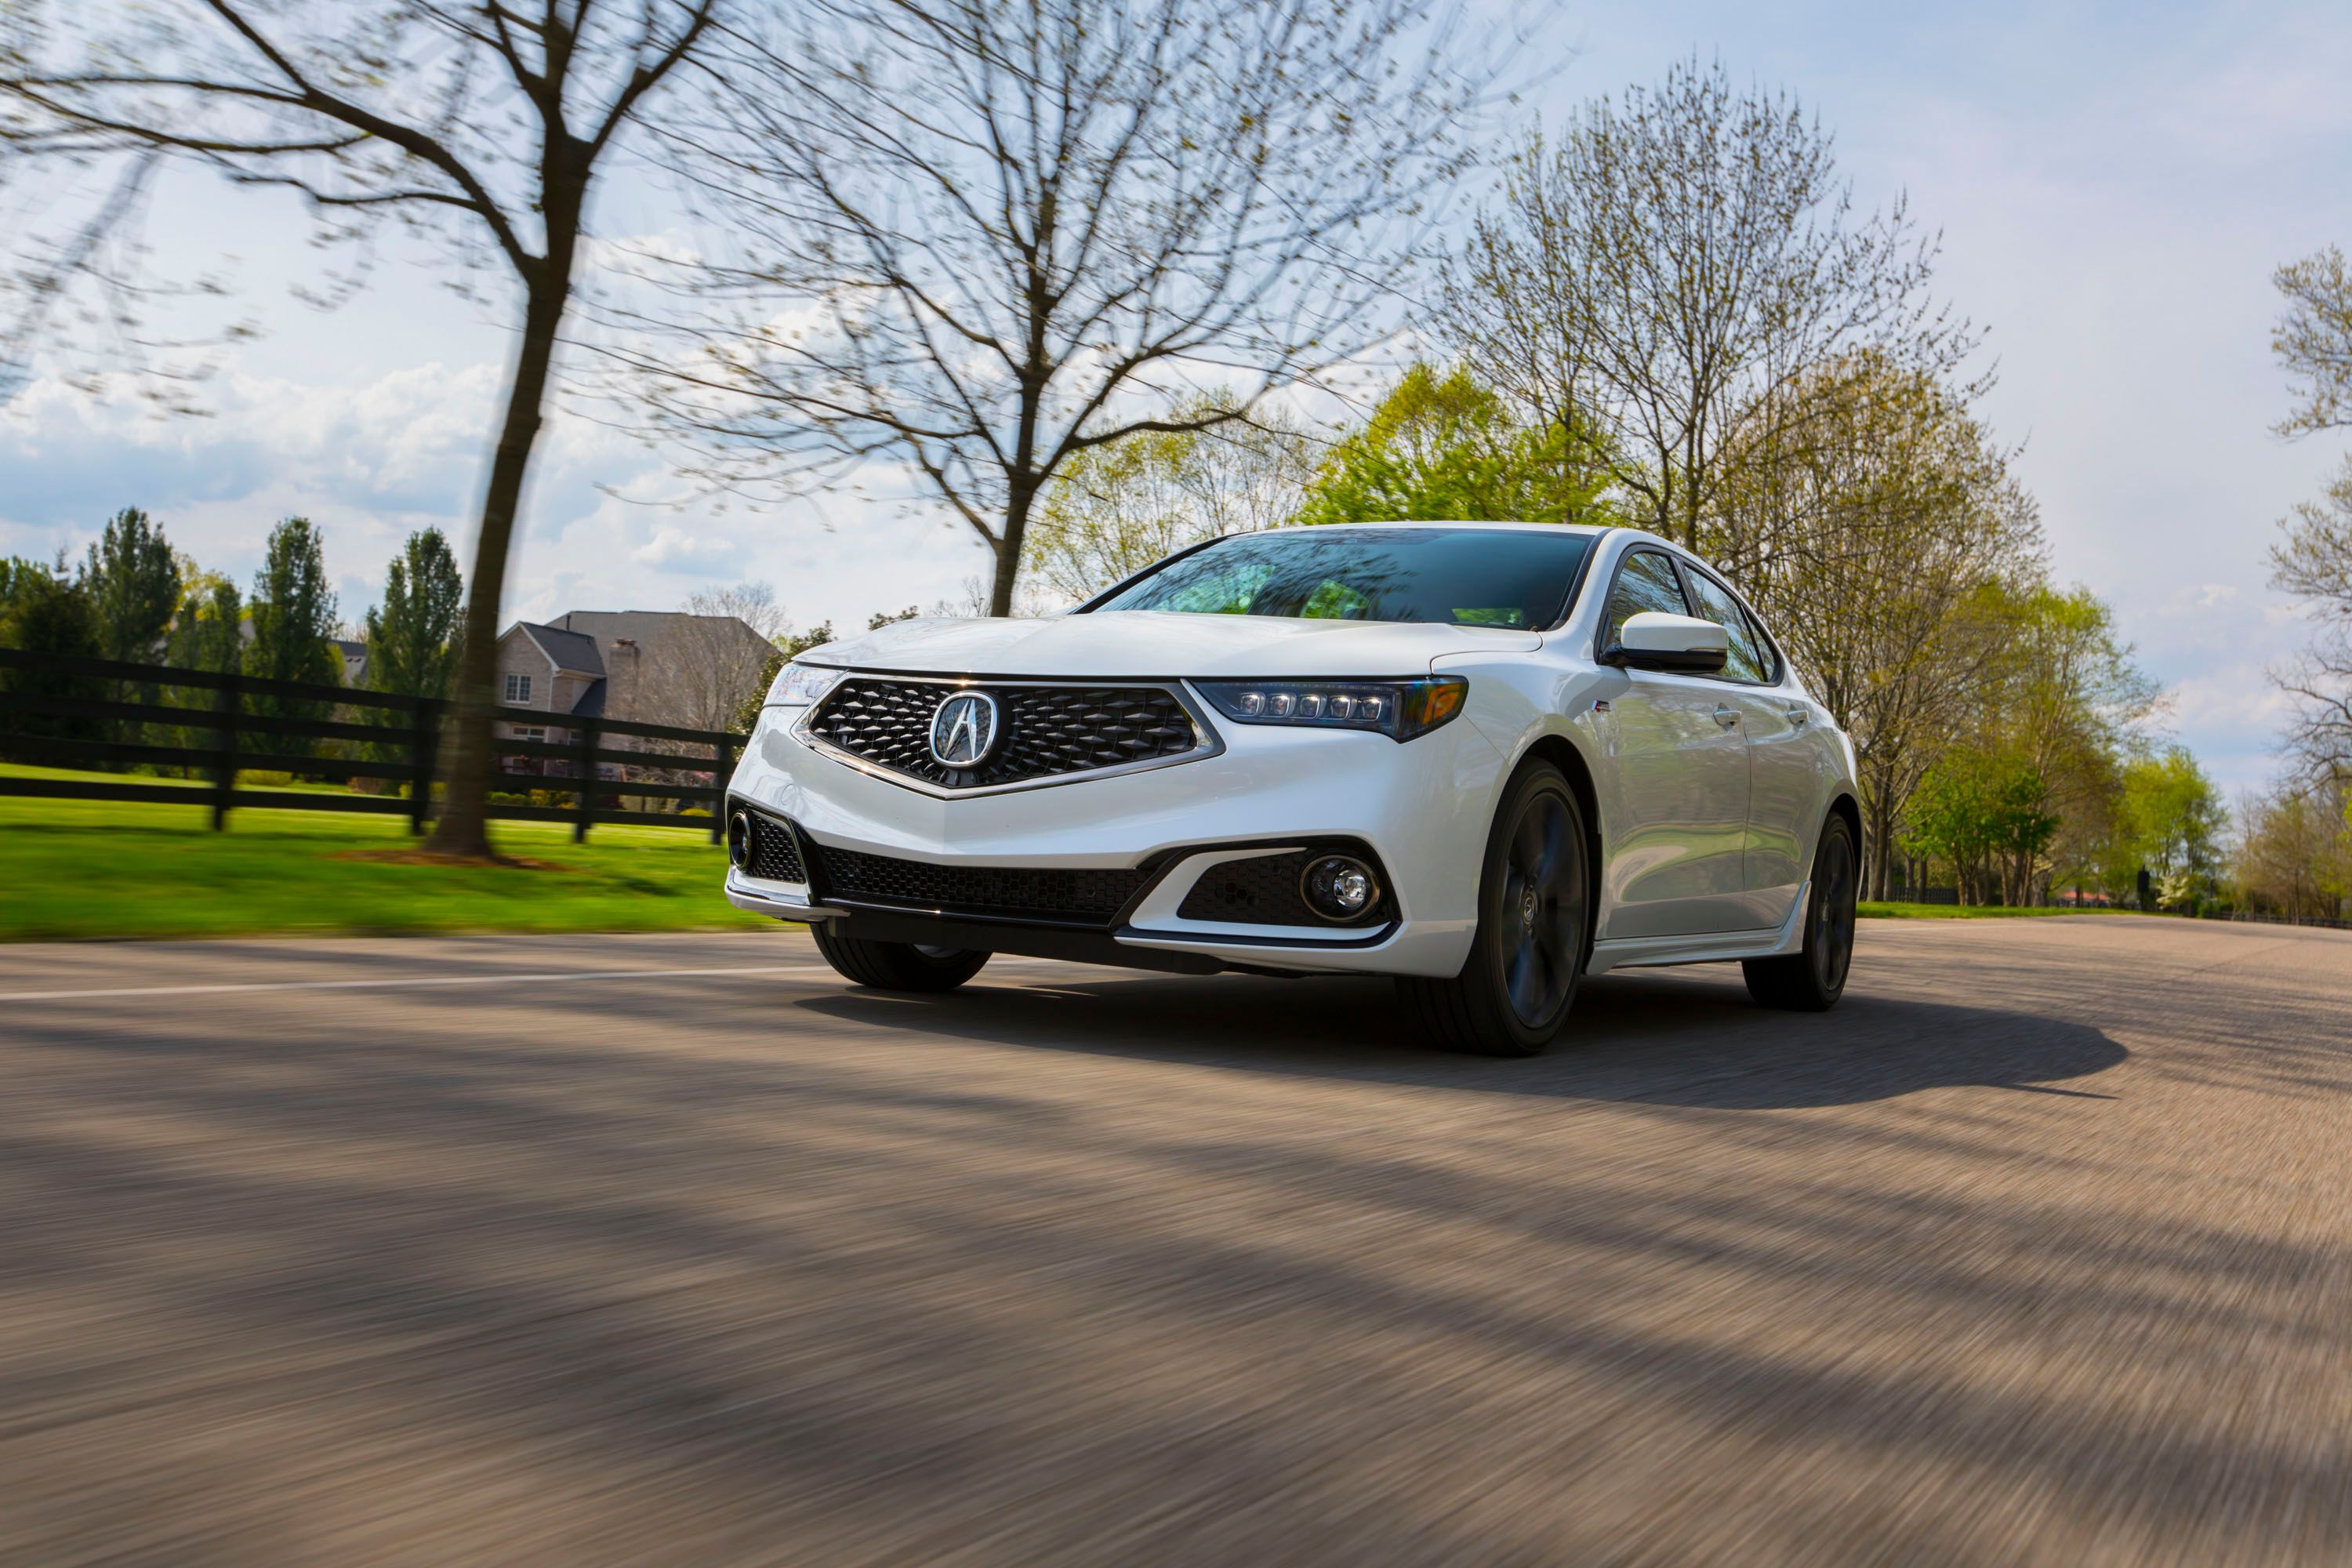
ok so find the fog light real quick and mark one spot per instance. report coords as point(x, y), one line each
point(741, 840)
point(1339, 886)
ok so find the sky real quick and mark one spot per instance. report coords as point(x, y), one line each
point(2112, 183)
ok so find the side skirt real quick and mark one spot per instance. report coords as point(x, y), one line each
point(1705, 947)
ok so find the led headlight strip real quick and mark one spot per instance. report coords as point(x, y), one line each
point(1397, 708)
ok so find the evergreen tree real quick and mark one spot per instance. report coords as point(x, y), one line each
point(133, 582)
point(412, 637)
point(293, 615)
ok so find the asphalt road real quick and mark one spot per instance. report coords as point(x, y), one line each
point(2039, 1249)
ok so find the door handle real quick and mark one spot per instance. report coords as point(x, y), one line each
point(1726, 715)
point(1797, 716)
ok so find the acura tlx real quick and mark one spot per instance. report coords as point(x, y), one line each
point(1485, 759)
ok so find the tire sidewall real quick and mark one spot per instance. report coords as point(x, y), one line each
point(1487, 951)
point(1835, 828)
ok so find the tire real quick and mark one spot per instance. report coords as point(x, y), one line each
point(1535, 930)
point(895, 966)
point(1813, 980)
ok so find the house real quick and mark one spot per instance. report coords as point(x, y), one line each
point(355, 656)
point(656, 667)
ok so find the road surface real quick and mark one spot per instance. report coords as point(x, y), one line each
point(674, 1249)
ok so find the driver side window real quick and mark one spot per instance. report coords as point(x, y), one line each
point(1645, 580)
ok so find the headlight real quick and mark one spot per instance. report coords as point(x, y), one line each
point(798, 685)
point(1397, 708)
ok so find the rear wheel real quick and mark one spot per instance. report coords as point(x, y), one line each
point(1534, 926)
point(895, 966)
point(1813, 980)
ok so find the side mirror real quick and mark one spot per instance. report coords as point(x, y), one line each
point(1684, 643)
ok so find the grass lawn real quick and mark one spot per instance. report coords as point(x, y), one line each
point(93, 869)
point(1964, 912)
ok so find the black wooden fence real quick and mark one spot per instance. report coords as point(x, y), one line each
point(72, 713)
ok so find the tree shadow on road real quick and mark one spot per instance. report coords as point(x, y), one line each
point(1688, 1040)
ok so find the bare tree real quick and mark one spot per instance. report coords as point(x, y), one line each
point(2314, 565)
point(1892, 532)
point(1116, 508)
point(971, 240)
point(709, 660)
point(2314, 562)
point(1666, 267)
point(2313, 341)
point(483, 123)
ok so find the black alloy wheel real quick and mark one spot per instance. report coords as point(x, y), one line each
point(1813, 980)
point(1535, 915)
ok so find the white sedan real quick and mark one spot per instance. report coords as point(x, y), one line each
point(1486, 759)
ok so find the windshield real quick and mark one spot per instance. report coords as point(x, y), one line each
point(1450, 576)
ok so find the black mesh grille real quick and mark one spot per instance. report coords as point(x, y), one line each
point(1066, 896)
point(1264, 891)
point(774, 857)
point(1043, 730)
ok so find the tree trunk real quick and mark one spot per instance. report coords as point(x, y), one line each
point(462, 828)
point(1017, 503)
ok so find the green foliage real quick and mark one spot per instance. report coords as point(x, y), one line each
point(44, 611)
point(2170, 819)
point(880, 618)
point(1444, 447)
point(208, 632)
point(412, 636)
point(1989, 814)
point(293, 614)
point(134, 581)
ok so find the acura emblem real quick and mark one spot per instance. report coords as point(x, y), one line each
point(964, 730)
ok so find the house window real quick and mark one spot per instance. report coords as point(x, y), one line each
point(531, 732)
point(517, 688)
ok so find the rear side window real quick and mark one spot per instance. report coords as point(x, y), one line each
point(1645, 582)
point(1745, 659)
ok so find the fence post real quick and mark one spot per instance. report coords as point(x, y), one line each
point(722, 765)
point(423, 756)
point(229, 700)
point(587, 766)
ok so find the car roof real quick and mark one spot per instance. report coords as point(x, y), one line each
point(1587, 529)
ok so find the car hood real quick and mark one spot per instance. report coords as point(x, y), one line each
point(1161, 643)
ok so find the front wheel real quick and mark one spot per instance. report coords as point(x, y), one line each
point(895, 966)
point(1535, 906)
point(1811, 981)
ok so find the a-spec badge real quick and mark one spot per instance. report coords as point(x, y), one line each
point(964, 730)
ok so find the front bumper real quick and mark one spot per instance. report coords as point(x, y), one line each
point(1421, 808)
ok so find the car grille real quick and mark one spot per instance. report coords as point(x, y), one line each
point(1264, 891)
point(1004, 892)
point(1044, 731)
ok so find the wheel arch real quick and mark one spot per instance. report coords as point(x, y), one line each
point(1563, 753)
point(1843, 804)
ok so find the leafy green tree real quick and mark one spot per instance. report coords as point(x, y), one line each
point(134, 581)
point(208, 634)
point(209, 631)
point(2172, 819)
point(293, 613)
point(43, 610)
point(1445, 446)
point(1989, 816)
point(412, 636)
